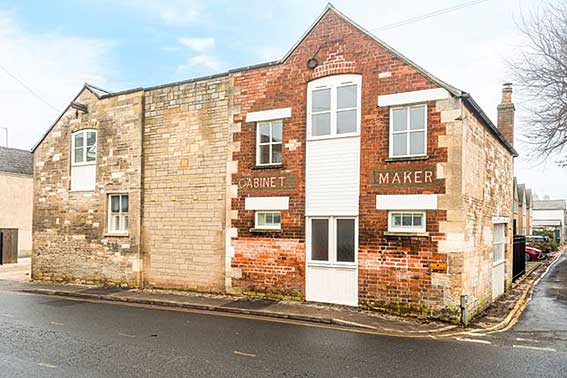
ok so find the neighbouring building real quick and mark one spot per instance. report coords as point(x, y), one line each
point(342, 173)
point(16, 195)
point(551, 215)
point(523, 202)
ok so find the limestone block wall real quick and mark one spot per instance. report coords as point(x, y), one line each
point(70, 239)
point(16, 203)
point(186, 144)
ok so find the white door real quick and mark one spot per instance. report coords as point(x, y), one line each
point(498, 261)
point(332, 271)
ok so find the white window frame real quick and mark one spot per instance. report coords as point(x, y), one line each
point(499, 244)
point(408, 131)
point(332, 83)
point(84, 132)
point(267, 227)
point(406, 229)
point(270, 143)
point(120, 213)
point(332, 261)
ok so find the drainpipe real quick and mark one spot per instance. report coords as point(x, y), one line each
point(464, 320)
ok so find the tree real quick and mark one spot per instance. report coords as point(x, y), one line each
point(541, 72)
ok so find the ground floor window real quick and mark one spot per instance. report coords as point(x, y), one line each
point(118, 213)
point(268, 220)
point(498, 255)
point(405, 221)
point(332, 239)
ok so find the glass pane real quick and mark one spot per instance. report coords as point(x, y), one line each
point(417, 220)
point(115, 223)
point(397, 220)
point(345, 240)
point(346, 121)
point(321, 100)
point(115, 200)
point(320, 239)
point(277, 219)
point(124, 204)
point(417, 118)
point(276, 153)
point(276, 132)
point(79, 140)
point(406, 220)
point(261, 219)
point(79, 155)
point(269, 219)
point(125, 223)
point(91, 138)
point(321, 124)
point(417, 143)
point(400, 119)
point(91, 153)
point(265, 154)
point(346, 97)
point(400, 146)
point(264, 130)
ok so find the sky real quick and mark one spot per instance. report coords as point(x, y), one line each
point(53, 47)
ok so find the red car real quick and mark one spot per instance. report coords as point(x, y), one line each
point(534, 254)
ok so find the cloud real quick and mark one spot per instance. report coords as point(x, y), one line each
point(176, 13)
point(198, 44)
point(268, 54)
point(54, 65)
point(201, 64)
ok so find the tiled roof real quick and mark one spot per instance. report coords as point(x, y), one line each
point(16, 161)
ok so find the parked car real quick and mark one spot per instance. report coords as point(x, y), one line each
point(534, 254)
point(539, 242)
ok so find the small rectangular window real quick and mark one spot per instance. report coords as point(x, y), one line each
point(269, 142)
point(406, 221)
point(118, 213)
point(408, 131)
point(268, 220)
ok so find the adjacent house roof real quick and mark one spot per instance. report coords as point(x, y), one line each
point(13, 160)
point(467, 99)
point(549, 205)
point(529, 198)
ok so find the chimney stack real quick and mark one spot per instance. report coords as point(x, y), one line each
point(506, 114)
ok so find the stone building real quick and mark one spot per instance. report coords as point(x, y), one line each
point(342, 173)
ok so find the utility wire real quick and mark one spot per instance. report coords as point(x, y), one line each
point(28, 88)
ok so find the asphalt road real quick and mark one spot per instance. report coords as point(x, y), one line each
point(44, 336)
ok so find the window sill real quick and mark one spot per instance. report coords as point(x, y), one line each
point(410, 234)
point(115, 235)
point(273, 166)
point(406, 158)
point(265, 230)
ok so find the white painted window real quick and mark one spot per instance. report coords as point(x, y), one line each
point(406, 221)
point(269, 143)
point(332, 240)
point(268, 220)
point(333, 106)
point(118, 213)
point(408, 131)
point(498, 255)
point(83, 160)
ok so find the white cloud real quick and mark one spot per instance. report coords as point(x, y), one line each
point(54, 65)
point(173, 12)
point(201, 64)
point(268, 53)
point(198, 44)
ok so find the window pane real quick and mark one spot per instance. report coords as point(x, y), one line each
point(79, 155)
point(417, 143)
point(407, 220)
point(124, 204)
point(115, 222)
point(91, 153)
point(115, 207)
point(79, 140)
point(265, 154)
point(264, 129)
point(269, 219)
point(276, 132)
point(417, 118)
point(399, 119)
point(397, 220)
point(400, 146)
point(125, 223)
point(277, 219)
point(321, 124)
point(91, 138)
point(276, 153)
point(321, 100)
point(417, 220)
point(345, 240)
point(346, 121)
point(346, 97)
point(261, 219)
point(320, 239)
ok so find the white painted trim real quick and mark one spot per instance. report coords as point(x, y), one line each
point(266, 227)
point(413, 97)
point(406, 201)
point(266, 203)
point(268, 115)
point(392, 228)
point(498, 220)
point(408, 131)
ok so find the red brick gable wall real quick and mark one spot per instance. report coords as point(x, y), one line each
point(393, 271)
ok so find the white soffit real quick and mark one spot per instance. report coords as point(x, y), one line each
point(406, 202)
point(266, 203)
point(267, 115)
point(413, 97)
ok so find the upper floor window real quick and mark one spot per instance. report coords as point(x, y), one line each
point(83, 160)
point(408, 131)
point(333, 106)
point(269, 143)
